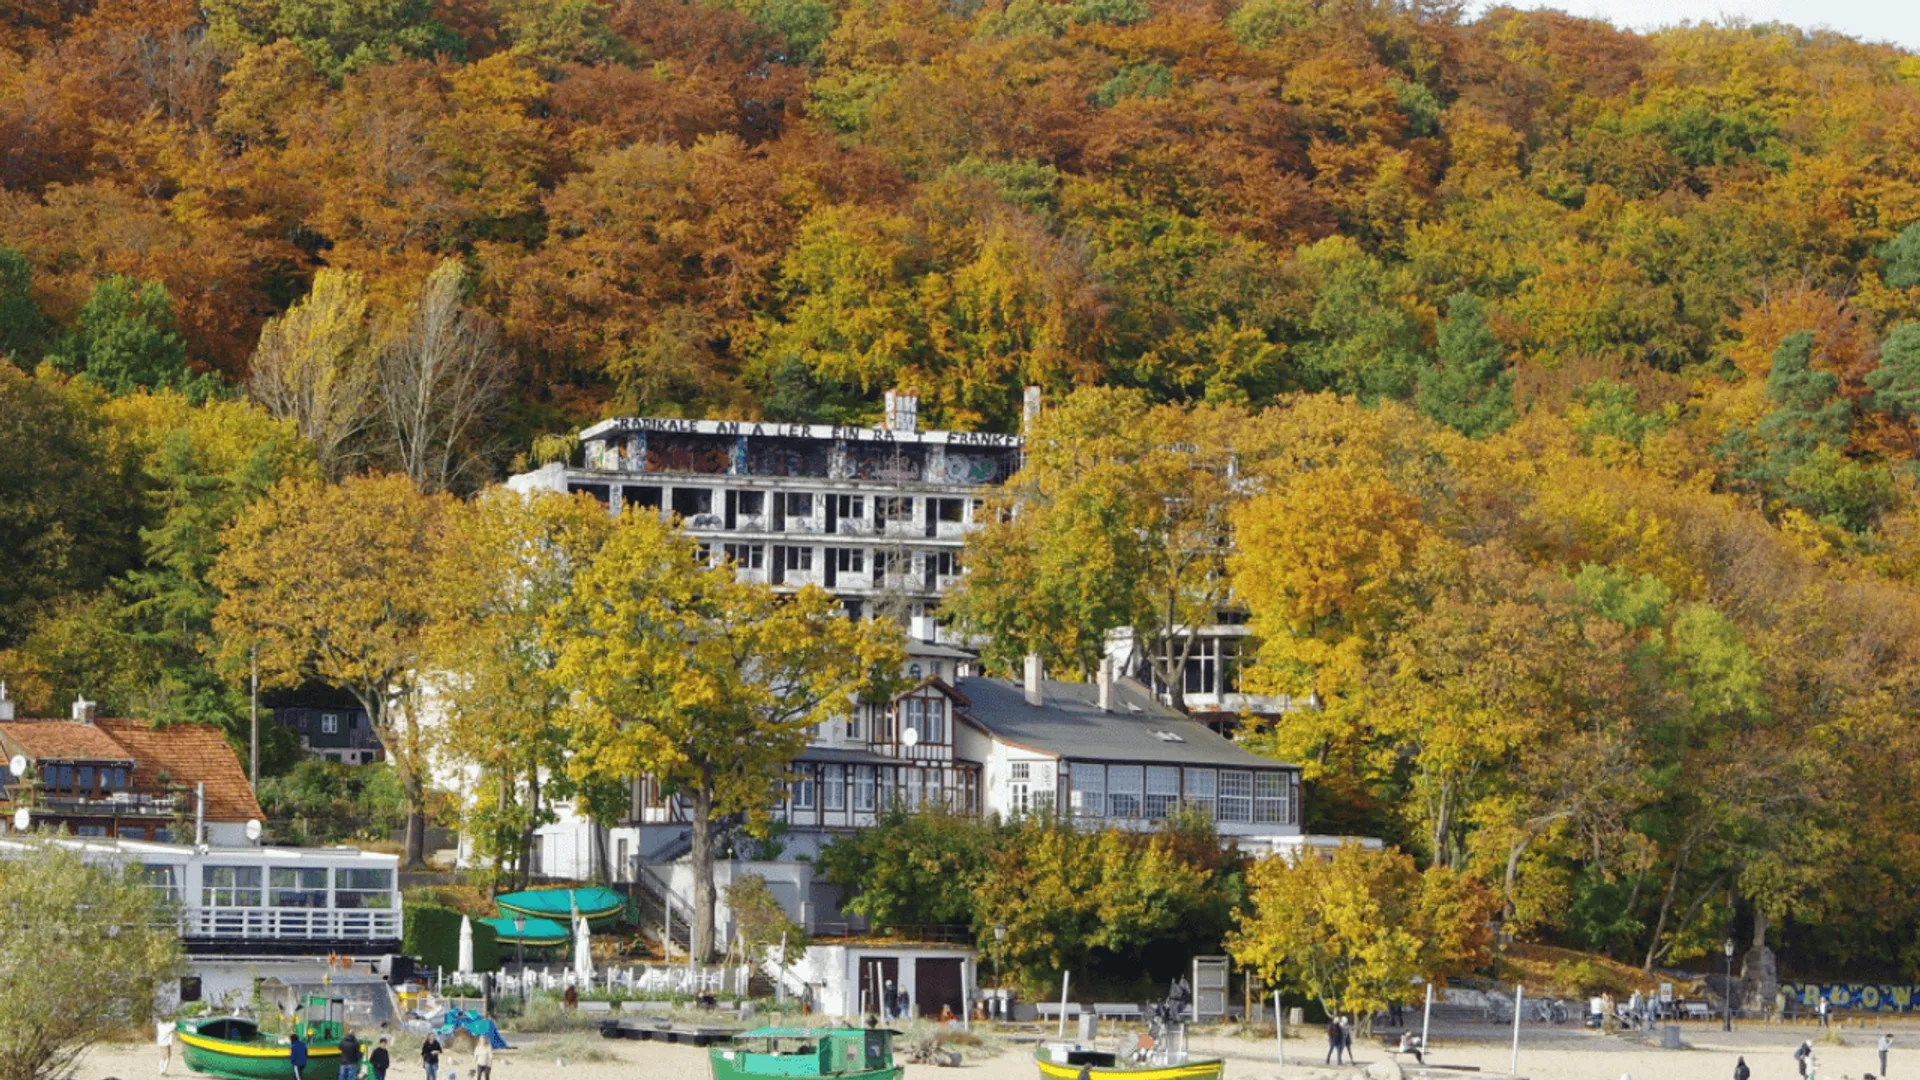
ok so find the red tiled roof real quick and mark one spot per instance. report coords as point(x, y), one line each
point(190, 754)
point(62, 740)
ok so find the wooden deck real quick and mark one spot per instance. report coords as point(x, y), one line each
point(664, 1031)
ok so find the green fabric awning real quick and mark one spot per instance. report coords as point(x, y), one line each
point(539, 934)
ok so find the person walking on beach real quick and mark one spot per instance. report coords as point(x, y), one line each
point(1334, 1045)
point(1886, 1044)
point(1803, 1057)
point(163, 1038)
point(297, 1055)
point(1740, 1070)
point(483, 1059)
point(1826, 1007)
point(380, 1060)
point(349, 1057)
point(430, 1056)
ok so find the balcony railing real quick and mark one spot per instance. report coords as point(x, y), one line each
point(291, 924)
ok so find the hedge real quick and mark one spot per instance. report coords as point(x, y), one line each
point(431, 935)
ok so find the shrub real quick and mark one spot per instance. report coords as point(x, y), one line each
point(431, 933)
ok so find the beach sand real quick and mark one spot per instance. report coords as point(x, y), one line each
point(1545, 1054)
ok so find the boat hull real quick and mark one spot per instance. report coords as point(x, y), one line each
point(1205, 1069)
point(254, 1060)
point(726, 1067)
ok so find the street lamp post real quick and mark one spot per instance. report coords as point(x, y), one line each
point(1727, 1021)
point(520, 954)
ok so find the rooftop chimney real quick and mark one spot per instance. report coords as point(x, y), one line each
point(83, 710)
point(6, 704)
point(1106, 684)
point(903, 411)
point(1033, 678)
point(1029, 409)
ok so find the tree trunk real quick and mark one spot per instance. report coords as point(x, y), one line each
point(533, 822)
point(415, 787)
point(703, 891)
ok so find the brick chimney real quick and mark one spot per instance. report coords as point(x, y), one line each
point(83, 710)
point(1034, 673)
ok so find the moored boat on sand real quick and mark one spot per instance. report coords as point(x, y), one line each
point(836, 1053)
point(234, 1048)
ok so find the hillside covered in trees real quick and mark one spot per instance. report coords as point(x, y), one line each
point(1557, 386)
point(781, 207)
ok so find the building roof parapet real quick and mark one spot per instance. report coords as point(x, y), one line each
point(626, 425)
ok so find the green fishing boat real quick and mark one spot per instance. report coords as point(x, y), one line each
point(840, 1053)
point(599, 905)
point(233, 1048)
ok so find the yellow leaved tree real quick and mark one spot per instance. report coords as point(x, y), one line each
point(707, 684)
point(334, 583)
point(1354, 931)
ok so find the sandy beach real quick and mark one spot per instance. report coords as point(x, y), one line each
point(1545, 1054)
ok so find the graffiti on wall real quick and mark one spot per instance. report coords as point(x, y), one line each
point(1857, 997)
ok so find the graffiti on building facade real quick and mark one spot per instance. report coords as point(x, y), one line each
point(1856, 997)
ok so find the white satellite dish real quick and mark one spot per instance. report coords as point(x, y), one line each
point(910, 737)
point(22, 820)
point(18, 765)
point(253, 831)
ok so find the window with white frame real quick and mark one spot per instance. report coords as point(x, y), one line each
point(297, 886)
point(1163, 791)
point(863, 787)
point(230, 886)
point(928, 716)
point(803, 791)
point(1124, 786)
point(1236, 796)
point(833, 787)
point(745, 556)
point(799, 504)
point(1272, 799)
point(853, 722)
point(363, 888)
point(1089, 790)
point(329, 724)
point(1200, 791)
point(1019, 786)
point(793, 557)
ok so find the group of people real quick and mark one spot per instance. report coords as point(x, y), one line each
point(358, 1063)
point(1340, 1040)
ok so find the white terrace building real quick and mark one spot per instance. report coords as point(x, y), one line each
point(247, 912)
point(877, 516)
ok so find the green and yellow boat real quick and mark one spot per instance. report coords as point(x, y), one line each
point(233, 1048)
point(1061, 1061)
point(838, 1053)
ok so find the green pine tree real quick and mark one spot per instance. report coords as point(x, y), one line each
point(1896, 382)
point(22, 330)
point(1807, 409)
point(1471, 389)
point(125, 340)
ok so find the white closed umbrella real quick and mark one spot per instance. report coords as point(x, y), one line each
point(583, 952)
point(466, 945)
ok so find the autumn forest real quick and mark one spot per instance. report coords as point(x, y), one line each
point(1547, 394)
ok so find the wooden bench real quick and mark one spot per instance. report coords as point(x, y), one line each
point(1117, 1010)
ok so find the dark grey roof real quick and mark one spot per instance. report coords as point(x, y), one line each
point(937, 651)
point(1068, 722)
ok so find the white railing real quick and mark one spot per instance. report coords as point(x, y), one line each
point(292, 924)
